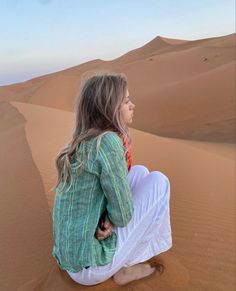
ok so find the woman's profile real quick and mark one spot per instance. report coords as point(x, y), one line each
point(110, 218)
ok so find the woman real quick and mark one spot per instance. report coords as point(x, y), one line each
point(109, 217)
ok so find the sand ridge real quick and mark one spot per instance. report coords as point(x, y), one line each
point(192, 84)
point(184, 126)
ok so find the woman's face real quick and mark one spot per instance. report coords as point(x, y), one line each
point(127, 109)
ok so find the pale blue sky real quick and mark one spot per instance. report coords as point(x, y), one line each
point(44, 36)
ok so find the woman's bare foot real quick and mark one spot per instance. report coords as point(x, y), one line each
point(135, 272)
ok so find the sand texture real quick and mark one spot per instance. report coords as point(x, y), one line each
point(184, 126)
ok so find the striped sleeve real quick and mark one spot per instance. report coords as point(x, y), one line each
point(114, 180)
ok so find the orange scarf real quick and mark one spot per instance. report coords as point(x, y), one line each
point(129, 154)
point(129, 158)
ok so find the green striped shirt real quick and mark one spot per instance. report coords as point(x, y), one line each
point(101, 185)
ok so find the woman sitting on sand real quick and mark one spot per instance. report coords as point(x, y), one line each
point(110, 219)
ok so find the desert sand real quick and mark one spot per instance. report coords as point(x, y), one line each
point(184, 126)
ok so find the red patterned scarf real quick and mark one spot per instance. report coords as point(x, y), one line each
point(129, 154)
point(129, 158)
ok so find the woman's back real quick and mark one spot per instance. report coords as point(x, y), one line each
point(101, 184)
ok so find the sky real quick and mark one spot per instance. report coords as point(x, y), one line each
point(44, 36)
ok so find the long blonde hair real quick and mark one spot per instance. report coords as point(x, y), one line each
point(97, 110)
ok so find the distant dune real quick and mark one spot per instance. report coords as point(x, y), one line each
point(183, 126)
point(182, 89)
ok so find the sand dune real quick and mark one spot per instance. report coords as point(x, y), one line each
point(45, 144)
point(25, 217)
point(172, 82)
point(184, 126)
point(202, 206)
point(196, 108)
point(156, 45)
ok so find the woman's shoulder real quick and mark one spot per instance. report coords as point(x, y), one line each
point(111, 140)
point(106, 142)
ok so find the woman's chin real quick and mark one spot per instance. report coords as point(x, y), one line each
point(130, 121)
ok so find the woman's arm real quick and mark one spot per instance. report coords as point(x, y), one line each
point(114, 180)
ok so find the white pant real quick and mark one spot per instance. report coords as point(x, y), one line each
point(147, 234)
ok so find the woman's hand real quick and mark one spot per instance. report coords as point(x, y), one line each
point(103, 234)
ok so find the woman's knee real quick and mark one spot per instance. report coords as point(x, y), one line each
point(140, 169)
point(161, 180)
point(158, 176)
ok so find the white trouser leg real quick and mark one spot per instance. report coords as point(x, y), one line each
point(147, 234)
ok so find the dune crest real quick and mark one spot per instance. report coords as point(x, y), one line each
point(25, 217)
point(169, 79)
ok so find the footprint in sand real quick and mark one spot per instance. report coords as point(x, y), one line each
point(175, 274)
